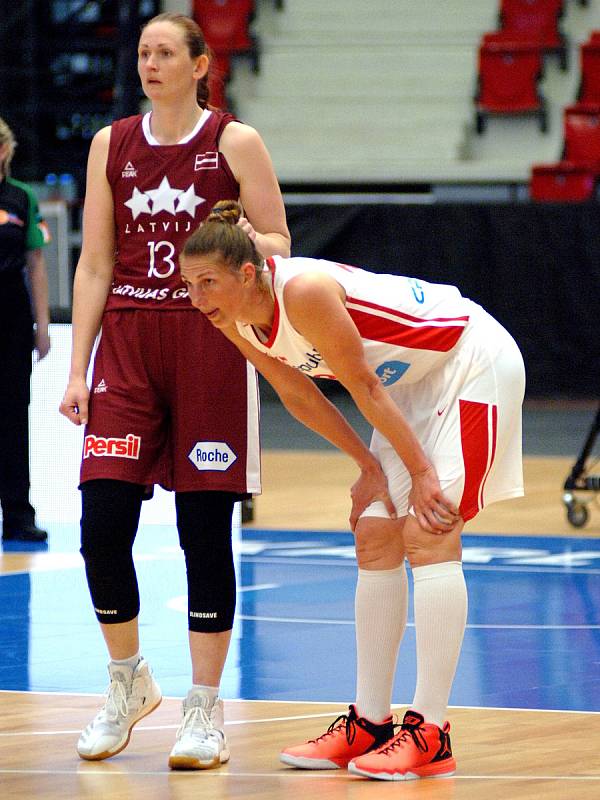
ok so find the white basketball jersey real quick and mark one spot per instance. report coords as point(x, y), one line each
point(408, 326)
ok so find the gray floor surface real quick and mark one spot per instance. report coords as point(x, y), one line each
point(550, 427)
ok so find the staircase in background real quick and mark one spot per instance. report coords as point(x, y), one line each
point(354, 92)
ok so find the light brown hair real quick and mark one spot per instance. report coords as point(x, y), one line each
point(220, 234)
point(195, 42)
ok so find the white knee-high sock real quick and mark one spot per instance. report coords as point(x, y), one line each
point(381, 603)
point(440, 596)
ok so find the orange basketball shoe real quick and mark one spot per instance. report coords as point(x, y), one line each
point(346, 738)
point(419, 750)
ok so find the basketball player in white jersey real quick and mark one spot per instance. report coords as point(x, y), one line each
point(442, 384)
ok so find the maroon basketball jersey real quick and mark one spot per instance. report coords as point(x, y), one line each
point(161, 193)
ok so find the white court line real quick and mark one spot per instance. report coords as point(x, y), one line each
point(305, 562)
point(283, 773)
point(140, 728)
point(228, 700)
point(292, 718)
point(474, 625)
point(47, 566)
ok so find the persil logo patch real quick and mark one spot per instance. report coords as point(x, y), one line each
point(214, 456)
point(128, 447)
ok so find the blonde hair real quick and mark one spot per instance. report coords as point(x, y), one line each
point(220, 234)
point(6, 138)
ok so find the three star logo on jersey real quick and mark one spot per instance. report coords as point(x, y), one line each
point(129, 171)
point(164, 198)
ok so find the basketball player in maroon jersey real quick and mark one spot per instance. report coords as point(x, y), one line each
point(171, 400)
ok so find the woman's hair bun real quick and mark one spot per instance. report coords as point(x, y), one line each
point(225, 211)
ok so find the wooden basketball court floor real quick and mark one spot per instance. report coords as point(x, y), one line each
point(525, 709)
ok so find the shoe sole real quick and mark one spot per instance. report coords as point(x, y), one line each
point(300, 762)
point(401, 776)
point(110, 753)
point(188, 762)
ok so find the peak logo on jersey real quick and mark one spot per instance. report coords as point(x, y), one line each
point(129, 171)
point(213, 456)
point(127, 447)
point(101, 388)
point(164, 198)
point(391, 371)
point(209, 160)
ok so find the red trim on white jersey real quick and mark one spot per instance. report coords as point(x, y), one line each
point(389, 325)
point(478, 433)
point(276, 313)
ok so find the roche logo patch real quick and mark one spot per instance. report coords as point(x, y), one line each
point(214, 456)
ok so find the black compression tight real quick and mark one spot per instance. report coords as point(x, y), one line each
point(204, 525)
point(109, 522)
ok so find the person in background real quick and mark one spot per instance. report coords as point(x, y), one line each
point(161, 411)
point(442, 383)
point(24, 318)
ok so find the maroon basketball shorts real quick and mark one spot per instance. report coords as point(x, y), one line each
point(172, 402)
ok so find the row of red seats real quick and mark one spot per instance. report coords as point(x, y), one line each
point(511, 60)
point(575, 176)
point(589, 61)
point(226, 25)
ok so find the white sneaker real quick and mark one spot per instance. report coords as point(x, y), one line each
point(132, 695)
point(200, 742)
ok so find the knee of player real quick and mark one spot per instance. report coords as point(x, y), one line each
point(377, 543)
point(431, 548)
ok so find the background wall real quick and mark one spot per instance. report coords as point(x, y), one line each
point(367, 112)
point(536, 268)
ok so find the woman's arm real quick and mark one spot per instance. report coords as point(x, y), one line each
point(307, 404)
point(315, 307)
point(38, 281)
point(93, 277)
point(260, 195)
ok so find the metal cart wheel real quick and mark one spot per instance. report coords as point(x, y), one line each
point(580, 481)
point(577, 514)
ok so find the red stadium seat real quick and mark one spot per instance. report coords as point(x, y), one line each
point(218, 77)
point(537, 21)
point(589, 55)
point(508, 82)
point(564, 182)
point(582, 135)
point(226, 27)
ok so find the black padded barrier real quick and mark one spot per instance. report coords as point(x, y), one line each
point(535, 267)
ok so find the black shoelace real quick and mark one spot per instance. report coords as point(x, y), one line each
point(342, 720)
point(408, 732)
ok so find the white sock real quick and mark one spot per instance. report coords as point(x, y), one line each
point(211, 692)
point(132, 661)
point(381, 604)
point(440, 596)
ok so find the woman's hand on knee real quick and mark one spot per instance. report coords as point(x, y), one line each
point(435, 513)
point(371, 486)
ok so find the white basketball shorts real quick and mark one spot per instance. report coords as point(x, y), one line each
point(467, 416)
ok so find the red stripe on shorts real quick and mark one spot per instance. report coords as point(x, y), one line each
point(478, 430)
